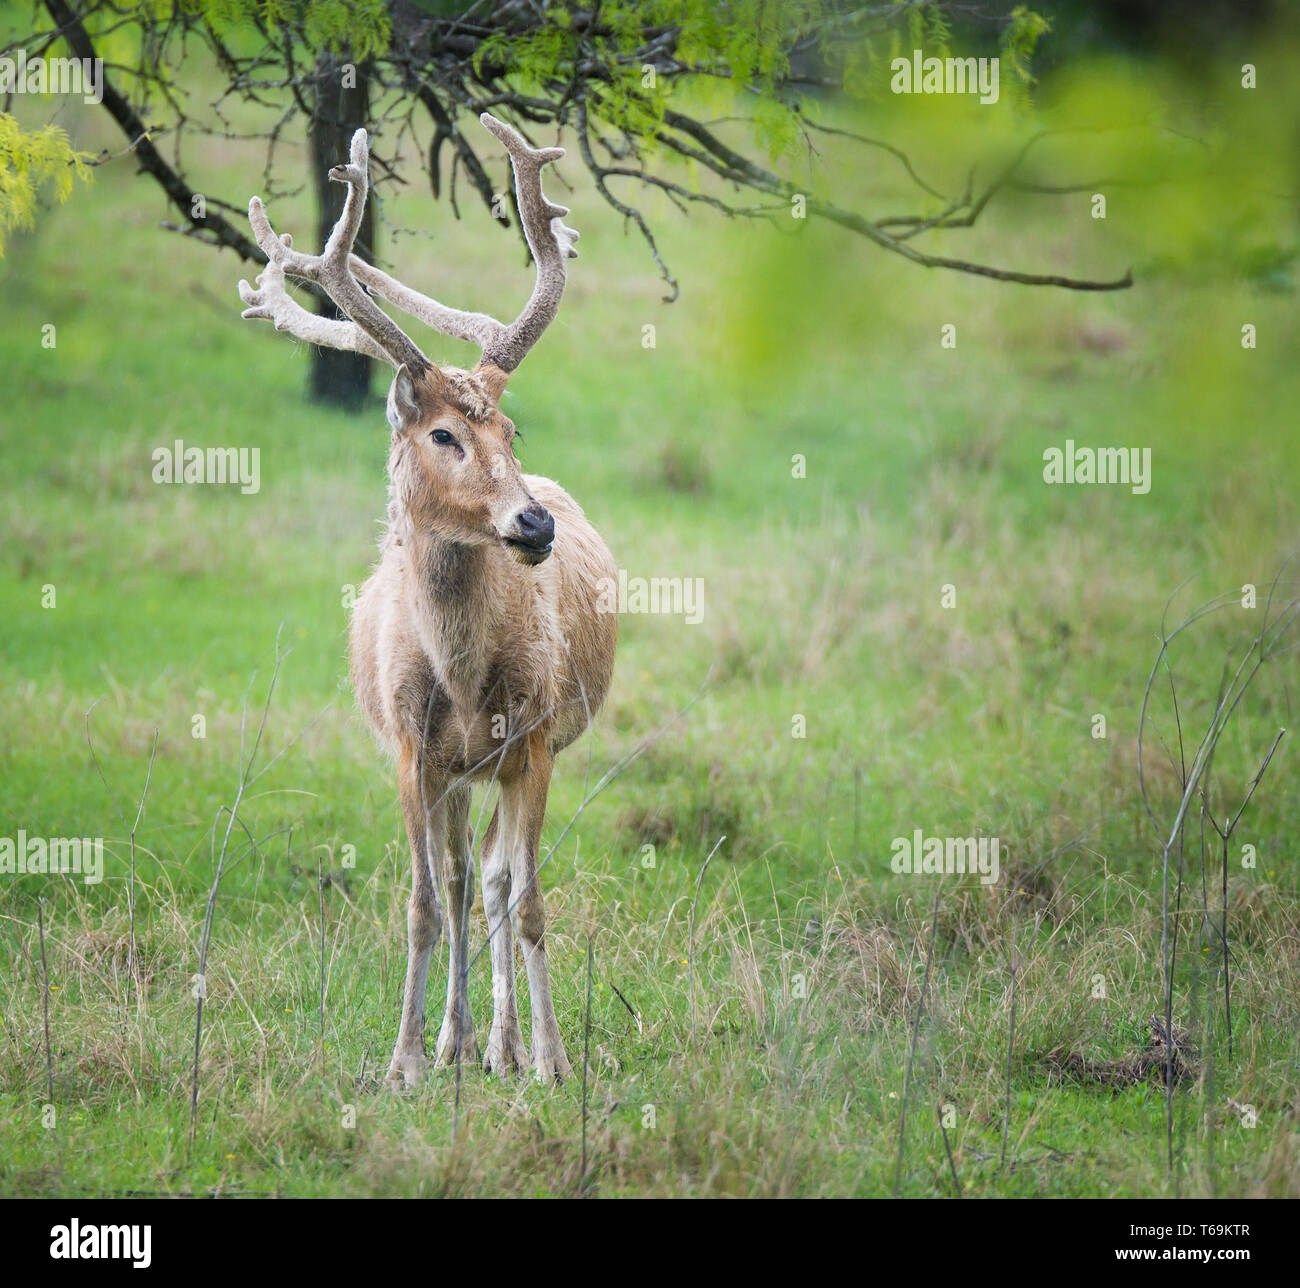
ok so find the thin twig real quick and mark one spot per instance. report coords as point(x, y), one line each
point(952, 1162)
point(45, 1001)
point(586, 1065)
point(635, 1016)
point(320, 891)
point(132, 960)
point(246, 777)
point(1264, 646)
point(916, 1030)
point(1011, 1039)
point(1225, 835)
point(690, 970)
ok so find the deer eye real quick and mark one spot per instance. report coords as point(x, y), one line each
point(442, 436)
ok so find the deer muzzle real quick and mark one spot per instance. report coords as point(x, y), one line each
point(532, 534)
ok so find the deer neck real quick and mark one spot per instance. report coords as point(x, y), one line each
point(451, 601)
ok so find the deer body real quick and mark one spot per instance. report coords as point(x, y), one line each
point(489, 634)
point(461, 651)
point(478, 649)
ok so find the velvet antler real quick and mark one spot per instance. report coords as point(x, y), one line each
point(345, 277)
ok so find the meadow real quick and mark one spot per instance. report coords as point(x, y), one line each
point(904, 627)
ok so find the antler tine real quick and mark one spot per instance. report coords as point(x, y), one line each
point(478, 328)
point(372, 330)
point(272, 301)
point(344, 276)
point(550, 240)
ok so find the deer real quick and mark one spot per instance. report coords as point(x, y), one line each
point(480, 646)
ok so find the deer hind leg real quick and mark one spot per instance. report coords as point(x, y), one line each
point(423, 926)
point(457, 1033)
point(505, 1048)
point(523, 810)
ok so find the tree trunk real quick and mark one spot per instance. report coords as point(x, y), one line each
point(338, 378)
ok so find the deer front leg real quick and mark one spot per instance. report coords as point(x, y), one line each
point(505, 1048)
point(423, 926)
point(523, 809)
point(457, 1033)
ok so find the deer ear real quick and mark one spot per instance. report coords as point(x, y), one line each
point(493, 379)
point(403, 405)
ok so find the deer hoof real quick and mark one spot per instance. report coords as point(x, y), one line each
point(551, 1065)
point(450, 1042)
point(407, 1070)
point(505, 1055)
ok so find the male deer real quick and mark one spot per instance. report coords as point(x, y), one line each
point(478, 650)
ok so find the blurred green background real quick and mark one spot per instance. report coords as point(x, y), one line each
point(822, 599)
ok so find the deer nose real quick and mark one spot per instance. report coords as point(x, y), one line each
point(535, 526)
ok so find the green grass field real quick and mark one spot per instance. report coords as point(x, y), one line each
point(768, 1054)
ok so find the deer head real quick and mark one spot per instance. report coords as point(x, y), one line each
point(452, 464)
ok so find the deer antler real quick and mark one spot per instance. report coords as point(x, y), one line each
point(371, 327)
point(272, 301)
point(344, 276)
point(550, 240)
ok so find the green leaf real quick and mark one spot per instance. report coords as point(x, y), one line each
point(28, 162)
